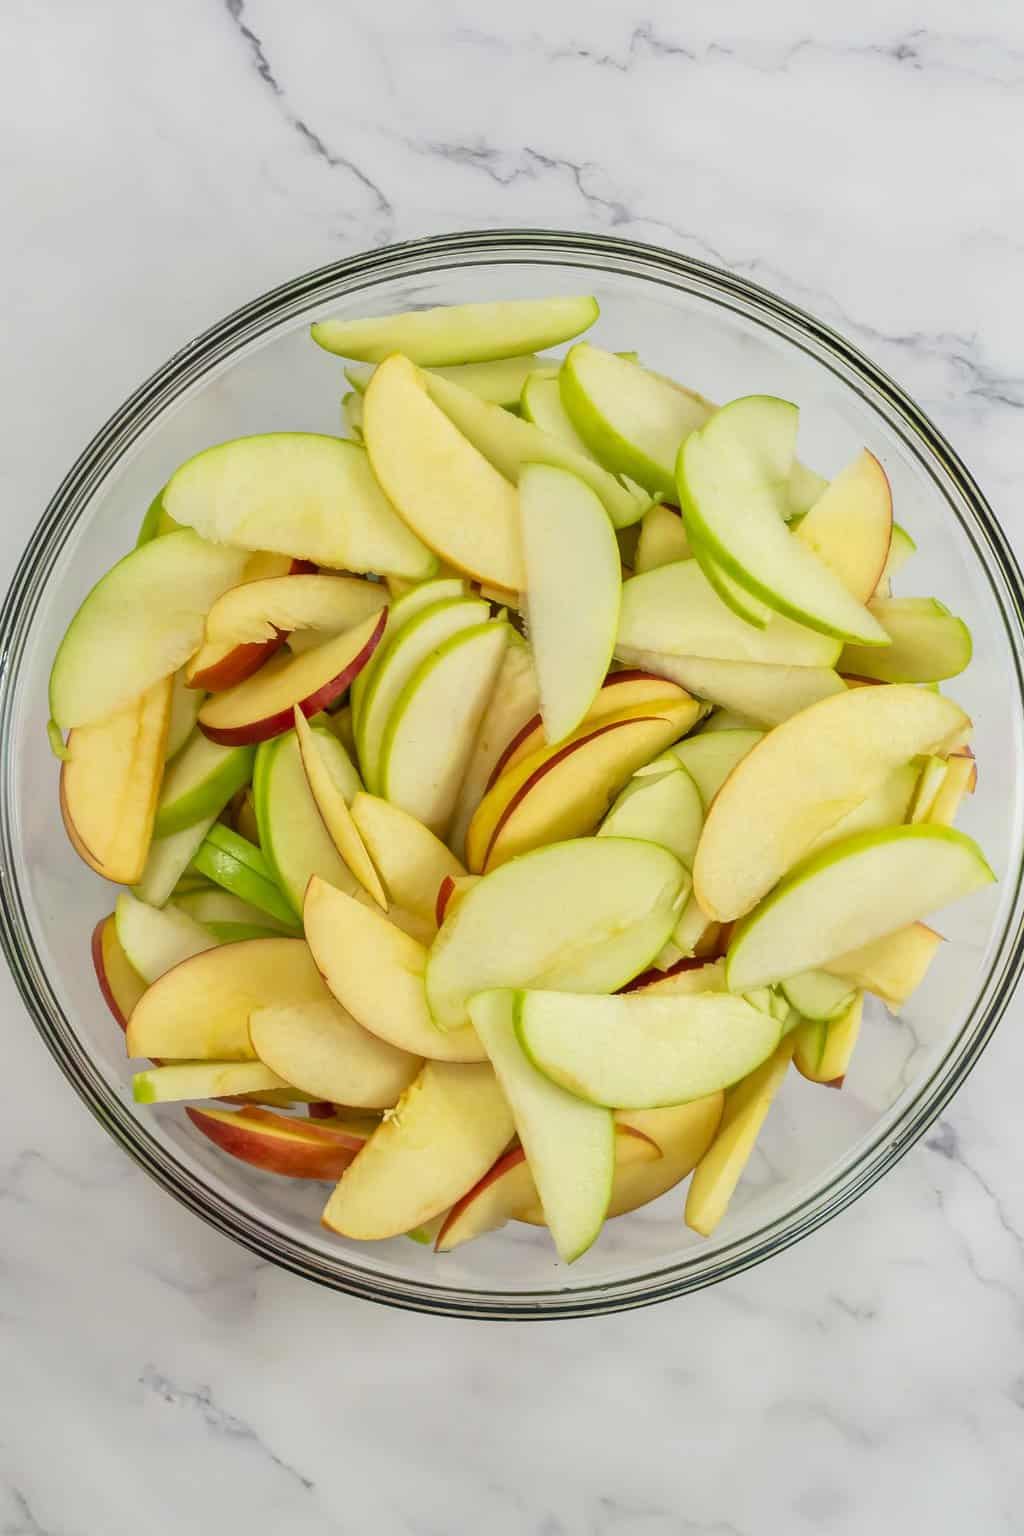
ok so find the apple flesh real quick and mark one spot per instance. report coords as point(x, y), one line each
point(404, 606)
point(154, 939)
point(513, 702)
point(817, 995)
point(662, 539)
point(501, 381)
point(460, 333)
point(320, 752)
point(120, 984)
point(168, 861)
point(682, 1131)
point(185, 705)
point(892, 967)
point(930, 780)
point(460, 1113)
point(296, 1149)
point(709, 760)
point(768, 695)
point(220, 911)
point(202, 1080)
point(901, 547)
point(887, 807)
point(928, 643)
point(237, 865)
point(824, 1048)
point(849, 527)
point(664, 808)
point(200, 782)
point(320, 1048)
point(412, 862)
point(960, 779)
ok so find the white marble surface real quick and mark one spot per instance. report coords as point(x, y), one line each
point(163, 163)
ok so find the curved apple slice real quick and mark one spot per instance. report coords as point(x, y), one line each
point(500, 381)
point(319, 752)
point(297, 1149)
point(172, 1082)
point(849, 527)
point(259, 610)
point(154, 939)
point(403, 608)
point(231, 861)
point(709, 759)
point(849, 895)
point(262, 706)
point(665, 808)
point(110, 784)
point(460, 1113)
point(682, 1131)
point(376, 972)
point(824, 1048)
point(461, 333)
point(767, 694)
point(140, 623)
point(412, 862)
point(682, 978)
point(320, 1048)
point(185, 706)
point(804, 777)
point(120, 984)
point(541, 403)
point(513, 702)
point(892, 967)
point(450, 892)
point(168, 861)
point(200, 782)
point(293, 837)
point(662, 539)
point(929, 644)
point(220, 664)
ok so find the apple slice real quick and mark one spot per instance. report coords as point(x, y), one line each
point(460, 1113)
point(802, 778)
point(140, 622)
point(297, 1149)
point(200, 782)
point(321, 1049)
point(852, 893)
point(167, 862)
point(262, 706)
point(632, 420)
point(226, 916)
point(767, 694)
point(412, 862)
point(443, 487)
point(460, 333)
point(500, 381)
point(569, 1145)
point(156, 522)
point(185, 705)
point(293, 837)
point(960, 779)
point(120, 984)
point(665, 808)
point(154, 939)
point(377, 973)
point(435, 721)
point(562, 792)
point(742, 603)
point(887, 807)
point(817, 995)
point(202, 1080)
point(319, 751)
point(892, 967)
point(417, 639)
point(901, 548)
point(709, 760)
point(403, 608)
point(567, 538)
point(719, 1171)
point(509, 443)
point(682, 1131)
point(220, 664)
point(110, 782)
point(824, 1048)
point(239, 866)
point(513, 702)
point(200, 1009)
point(662, 540)
point(727, 720)
point(928, 643)
point(301, 494)
point(580, 916)
point(450, 892)
point(674, 610)
point(930, 779)
point(850, 527)
point(733, 478)
point(541, 404)
point(642, 1051)
point(684, 978)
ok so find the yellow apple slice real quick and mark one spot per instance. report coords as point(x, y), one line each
point(513, 702)
point(887, 807)
point(452, 334)
point(719, 1171)
point(259, 610)
point(320, 1048)
point(804, 777)
point(200, 1009)
point(682, 1131)
point(328, 792)
point(901, 548)
point(892, 967)
point(377, 973)
point(662, 539)
point(110, 785)
point(824, 1047)
point(412, 862)
point(443, 487)
point(960, 779)
point(202, 1080)
point(849, 527)
point(457, 1111)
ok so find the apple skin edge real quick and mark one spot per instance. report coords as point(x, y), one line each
point(645, 978)
point(238, 664)
point(444, 896)
point(96, 946)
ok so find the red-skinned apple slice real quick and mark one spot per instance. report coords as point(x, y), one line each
point(450, 892)
point(320, 1048)
point(849, 527)
point(224, 660)
point(262, 706)
point(120, 984)
point(297, 1149)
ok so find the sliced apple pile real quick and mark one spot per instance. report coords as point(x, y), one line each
point(536, 771)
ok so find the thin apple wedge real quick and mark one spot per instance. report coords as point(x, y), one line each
point(928, 643)
point(644, 1051)
point(377, 973)
point(154, 939)
point(500, 381)
point(817, 995)
point(320, 1048)
point(930, 780)
point(887, 807)
point(901, 547)
point(665, 808)
point(849, 895)
point(574, 586)
point(300, 494)
point(803, 777)
point(222, 662)
point(262, 706)
point(202, 1080)
point(450, 892)
point(120, 984)
point(293, 836)
point(296, 1149)
point(110, 784)
point(186, 703)
point(767, 694)
point(403, 608)
point(581, 916)
point(960, 779)
point(849, 527)
point(461, 1114)
point(569, 1145)
point(257, 611)
point(541, 404)
point(719, 1171)
point(824, 1048)
point(662, 539)
point(682, 1131)
point(168, 861)
point(709, 760)
point(226, 915)
point(681, 979)
point(320, 751)
point(231, 861)
point(892, 967)
point(138, 625)
point(460, 333)
point(443, 487)
point(200, 1009)
point(513, 702)
point(412, 862)
point(199, 783)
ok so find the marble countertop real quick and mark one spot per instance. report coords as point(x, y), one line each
point(161, 165)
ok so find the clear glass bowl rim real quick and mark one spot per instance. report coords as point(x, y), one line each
point(891, 1138)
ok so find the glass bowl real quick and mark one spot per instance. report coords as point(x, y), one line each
point(257, 371)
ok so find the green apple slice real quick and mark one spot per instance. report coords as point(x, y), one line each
point(514, 702)
point(901, 548)
point(850, 526)
point(441, 484)
point(293, 837)
point(849, 895)
point(414, 640)
point(400, 613)
point(804, 777)
point(435, 720)
point(742, 603)
point(203, 1080)
point(297, 493)
point(709, 760)
point(574, 589)
point(239, 866)
point(140, 623)
point(631, 419)
point(804, 490)
point(155, 939)
point(500, 381)
point(768, 694)
point(674, 610)
point(185, 706)
point(200, 782)
point(818, 995)
point(727, 720)
point(733, 477)
point(928, 645)
point(412, 862)
point(220, 911)
point(580, 916)
point(460, 333)
point(330, 775)
point(637, 1051)
point(665, 809)
point(509, 442)
point(662, 539)
point(156, 522)
point(569, 1145)
point(824, 1049)
point(542, 404)
point(168, 860)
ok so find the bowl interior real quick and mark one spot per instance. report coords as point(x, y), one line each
point(259, 372)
